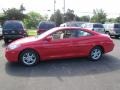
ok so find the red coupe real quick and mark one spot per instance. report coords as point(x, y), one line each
point(61, 42)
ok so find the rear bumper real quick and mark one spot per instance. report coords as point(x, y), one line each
point(108, 47)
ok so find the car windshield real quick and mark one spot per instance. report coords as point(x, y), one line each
point(117, 26)
point(46, 26)
point(11, 26)
point(98, 26)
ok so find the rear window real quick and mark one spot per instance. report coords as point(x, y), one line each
point(117, 26)
point(98, 26)
point(13, 26)
point(46, 26)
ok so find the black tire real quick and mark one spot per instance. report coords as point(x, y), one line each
point(92, 56)
point(23, 58)
point(117, 37)
point(107, 33)
point(6, 40)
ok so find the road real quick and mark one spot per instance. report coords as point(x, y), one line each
point(70, 74)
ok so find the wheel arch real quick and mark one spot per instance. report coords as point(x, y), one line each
point(100, 46)
point(29, 49)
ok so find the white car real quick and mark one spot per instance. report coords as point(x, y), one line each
point(0, 30)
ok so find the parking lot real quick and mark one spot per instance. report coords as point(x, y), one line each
point(73, 74)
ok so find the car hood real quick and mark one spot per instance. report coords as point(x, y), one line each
point(25, 40)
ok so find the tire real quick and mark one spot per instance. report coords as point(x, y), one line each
point(117, 37)
point(29, 57)
point(108, 33)
point(95, 53)
point(6, 40)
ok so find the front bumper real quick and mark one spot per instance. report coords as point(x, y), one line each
point(12, 55)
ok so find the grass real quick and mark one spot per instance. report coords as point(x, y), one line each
point(32, 32)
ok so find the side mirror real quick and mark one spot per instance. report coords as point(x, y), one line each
point(49, 38)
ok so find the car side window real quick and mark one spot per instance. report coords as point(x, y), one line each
point(64, 34)
point(83, 33)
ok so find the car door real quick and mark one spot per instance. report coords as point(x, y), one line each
point(82, 44)
point(57, 48)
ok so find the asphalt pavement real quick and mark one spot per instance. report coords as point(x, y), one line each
point(69, 74)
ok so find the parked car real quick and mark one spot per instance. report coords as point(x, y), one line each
point(72, 24)
point(45, 25)
point(13, 29)
point(1, 31)
point(113, 29)
point(61, 42)
point(98, 27)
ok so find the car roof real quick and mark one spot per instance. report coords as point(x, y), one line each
point(93, 23)
point(63, 28)
point(13, 21)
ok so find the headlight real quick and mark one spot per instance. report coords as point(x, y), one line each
point(13, 46)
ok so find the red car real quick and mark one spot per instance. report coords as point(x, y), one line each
point(62, 42)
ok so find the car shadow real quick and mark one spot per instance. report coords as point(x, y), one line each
point(62, 68)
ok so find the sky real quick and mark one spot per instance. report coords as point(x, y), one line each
point(80, 7)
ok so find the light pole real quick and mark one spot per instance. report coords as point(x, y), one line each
point(64, 10)
point(54, 9)
point(64, 6)
point(54, 6)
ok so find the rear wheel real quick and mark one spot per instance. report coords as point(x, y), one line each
point(95, 54)
point(29, 57)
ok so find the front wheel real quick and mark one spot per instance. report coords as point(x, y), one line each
point(96, 54)
point(29, 57)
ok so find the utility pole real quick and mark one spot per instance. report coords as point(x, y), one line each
point(64, 10)
point(54, 9)
point(64, 7)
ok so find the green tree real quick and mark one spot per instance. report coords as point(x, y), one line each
point(111, 20)
point(13, 14)
point(85, 18)
point(32, 19)
point(77, 18)
point(69, 15)
point(99, 16)
point(22, 8)
point(117, 19)
point(57, 17)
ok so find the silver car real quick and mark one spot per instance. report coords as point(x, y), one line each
point(98, 27)
point(113, 29)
